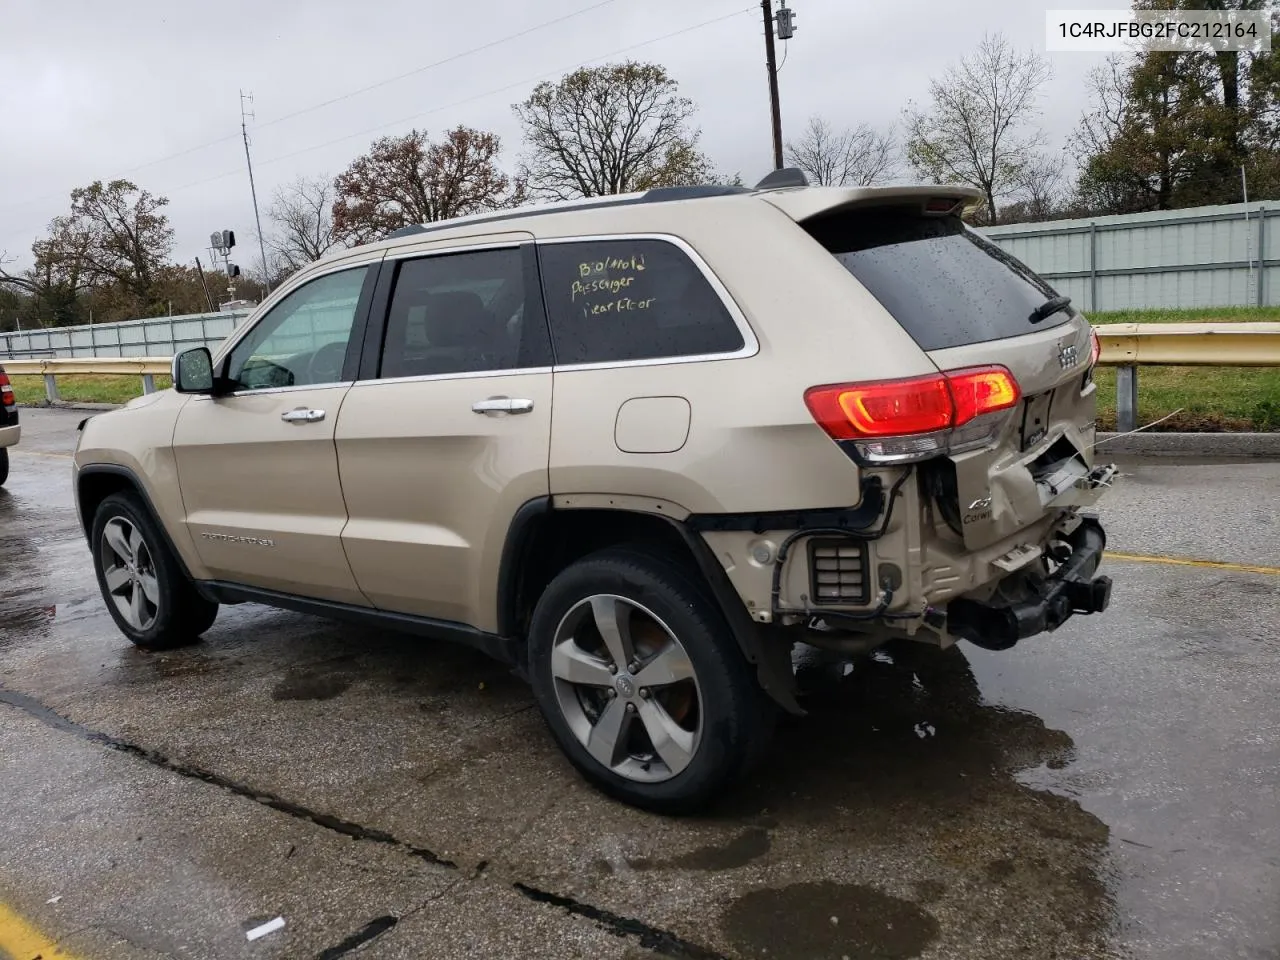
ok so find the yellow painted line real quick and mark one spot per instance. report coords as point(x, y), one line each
point(1187, 562)
point(21, 941)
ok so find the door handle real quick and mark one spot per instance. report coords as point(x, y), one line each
point(503, 405)
point(302, 415)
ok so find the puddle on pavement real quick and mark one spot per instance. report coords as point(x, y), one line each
point(300, 684)
point(904, 745)
point(738, 852)
point(135, 666)
point(23, 620)
point(817, 921)
point(929, 891)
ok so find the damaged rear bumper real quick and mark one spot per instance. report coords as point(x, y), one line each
point(1069, 590)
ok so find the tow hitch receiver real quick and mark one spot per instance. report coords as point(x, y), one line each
point(1069, 590)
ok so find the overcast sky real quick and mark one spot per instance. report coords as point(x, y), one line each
point(95, 91)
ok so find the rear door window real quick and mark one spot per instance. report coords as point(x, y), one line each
point(946, 285)
point(463, 313)
point(611, 301)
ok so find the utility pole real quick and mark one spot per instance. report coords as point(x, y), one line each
point(771, 61)
point(1248, 240)
point(204, 284)
point(244, 131)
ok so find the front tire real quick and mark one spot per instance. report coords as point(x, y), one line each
point(642, 684)
point(145, 590)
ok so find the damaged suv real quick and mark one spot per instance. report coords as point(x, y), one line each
point(639, 447)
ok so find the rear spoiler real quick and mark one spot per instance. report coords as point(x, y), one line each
point(809, 202)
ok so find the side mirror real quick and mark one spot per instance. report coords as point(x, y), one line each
point(193, 371)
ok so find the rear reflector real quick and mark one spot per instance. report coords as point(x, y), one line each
point(896, 408)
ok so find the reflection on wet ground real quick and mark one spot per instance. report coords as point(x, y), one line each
point(1105, 791)
point(902, 749)
point(806, 920)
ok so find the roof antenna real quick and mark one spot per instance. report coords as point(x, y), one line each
point(786, 177)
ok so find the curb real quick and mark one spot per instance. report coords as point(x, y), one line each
point(1265, 446)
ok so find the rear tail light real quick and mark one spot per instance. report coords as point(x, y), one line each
point(6, 391)
point(912, 419)
point(1095, 346)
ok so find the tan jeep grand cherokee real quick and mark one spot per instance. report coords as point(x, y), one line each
point(638, 447)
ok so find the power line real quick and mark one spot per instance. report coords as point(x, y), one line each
point(338, 99)
point(458, 103)
point(438, 63)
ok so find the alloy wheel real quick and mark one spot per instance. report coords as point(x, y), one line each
point(130, 574)
point(627, 688)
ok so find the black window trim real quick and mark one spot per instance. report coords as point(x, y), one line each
point(380, 310)
point(750, 345)
point(355, 345)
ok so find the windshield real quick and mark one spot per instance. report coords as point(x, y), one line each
point(946, 285)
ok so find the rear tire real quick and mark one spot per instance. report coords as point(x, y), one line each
point(4, 465)
point(143, 585)
point(680, 717)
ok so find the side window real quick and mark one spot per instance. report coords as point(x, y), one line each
point(462, 313)
point(618, 300)
point(302, 339)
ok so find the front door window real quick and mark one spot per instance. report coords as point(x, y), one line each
point(303, 340)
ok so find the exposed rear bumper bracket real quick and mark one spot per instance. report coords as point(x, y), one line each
point(859, 517)
point(1071, 589)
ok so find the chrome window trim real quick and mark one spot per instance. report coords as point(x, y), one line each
point(507, 244)
point(265, 391)
point(466, 375)
point(276, 296)
point(750, 347)
point(750, 344)
point(444, 251)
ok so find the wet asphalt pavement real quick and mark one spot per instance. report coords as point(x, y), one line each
point(1110, 790)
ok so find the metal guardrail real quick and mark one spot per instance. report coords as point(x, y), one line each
point(146, 367)
point(1125, 346)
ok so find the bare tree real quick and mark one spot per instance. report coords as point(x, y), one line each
point(301, 217)
point(980, 125)
point(1044, 186)
point(407, 180)
point(1044, 194)
point(859, 156)
point(608, 130)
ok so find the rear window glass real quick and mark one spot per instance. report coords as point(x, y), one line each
point(610, 301)
point(946, 285)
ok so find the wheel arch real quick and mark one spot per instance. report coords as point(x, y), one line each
point(543, 540)
point(97, 481)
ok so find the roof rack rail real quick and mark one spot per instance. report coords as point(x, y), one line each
point(653, 195)
point(408, 231)
point(783, 177)
point(659, 194)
